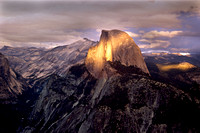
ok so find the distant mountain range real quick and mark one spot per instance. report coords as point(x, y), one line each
point(182, 72)
point(171, 58)
point(33, 63)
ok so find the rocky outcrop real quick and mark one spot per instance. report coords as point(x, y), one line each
point(11, 83)
point(125, 102)
point(112, 92)
point(114, 45)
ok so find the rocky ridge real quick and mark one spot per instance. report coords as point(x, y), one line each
point(34, 63)
point(11, 83)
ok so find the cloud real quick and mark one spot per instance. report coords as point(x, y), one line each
point(132, 34)
point(157, 39)
point(156, 44)
point(179, 49)
point(112, 14)
point(155, 51)
point(159, 34)
point(190, 33)
point(145, 40)
point(5, 44)
point(63, 21)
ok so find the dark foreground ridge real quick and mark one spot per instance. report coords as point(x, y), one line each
point(128, 102)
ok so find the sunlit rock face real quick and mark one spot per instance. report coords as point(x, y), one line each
point(114, 45)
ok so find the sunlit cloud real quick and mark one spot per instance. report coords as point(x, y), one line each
point(157, 34)
point(155, 44)
point(183, 66)
point(2, 43)
point(145, 40)
point(182, 54)
point(155, 51)
point(132, 34)
point(179, 49)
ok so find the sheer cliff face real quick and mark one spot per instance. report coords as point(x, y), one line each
point(11, 83)
point(114, 45)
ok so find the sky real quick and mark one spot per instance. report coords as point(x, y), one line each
point(155, 25)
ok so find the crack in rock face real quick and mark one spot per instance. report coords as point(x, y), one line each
point(114, 45)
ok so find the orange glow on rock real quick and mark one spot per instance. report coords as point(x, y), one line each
point(108, 50)
point(113, 46)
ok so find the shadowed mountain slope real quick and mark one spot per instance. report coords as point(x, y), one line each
point(33, 63)
point(11, 84)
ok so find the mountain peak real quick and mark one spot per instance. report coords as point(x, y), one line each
point(5, 47)
point(114, 45)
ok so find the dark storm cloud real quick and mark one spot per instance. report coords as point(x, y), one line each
point(97, 14)
point(65, 21)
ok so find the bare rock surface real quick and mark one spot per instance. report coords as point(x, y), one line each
point(11, 83)
point(114, 45)
point(33, 63)
point(124, 102)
